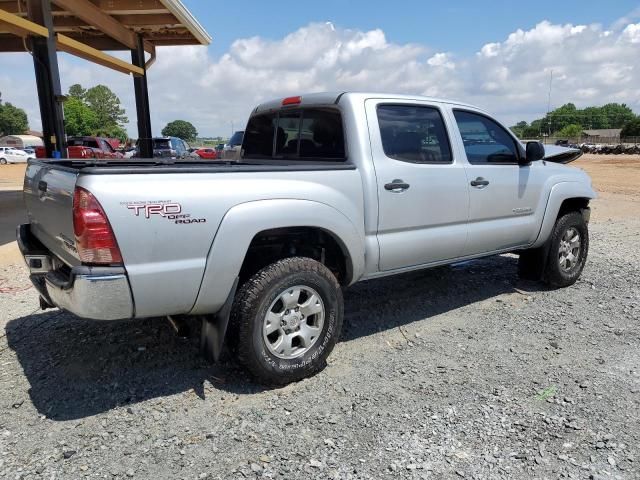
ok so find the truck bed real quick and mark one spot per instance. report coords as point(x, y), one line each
point(165, 252)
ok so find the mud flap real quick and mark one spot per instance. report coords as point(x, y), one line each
point(214, 328)
point(533, 263)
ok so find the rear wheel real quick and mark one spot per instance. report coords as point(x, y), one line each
point(288, 317)
point(568, 249)
point(3, 161)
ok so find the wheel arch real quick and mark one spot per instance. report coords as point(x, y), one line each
point(244, 223)
point(563, 197)
point(318, 243)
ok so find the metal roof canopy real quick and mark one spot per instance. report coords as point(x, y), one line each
point(86, 28)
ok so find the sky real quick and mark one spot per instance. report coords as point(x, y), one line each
point(495, 54)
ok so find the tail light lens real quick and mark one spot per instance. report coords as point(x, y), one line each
point(95, 240)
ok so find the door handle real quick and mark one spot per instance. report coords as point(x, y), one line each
point(479, 182)
point(396, 186)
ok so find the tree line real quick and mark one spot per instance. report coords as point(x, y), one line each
point(13, 120)
point(95, 111)
point(569, 121)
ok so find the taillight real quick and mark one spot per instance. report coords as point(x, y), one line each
point(95, 240)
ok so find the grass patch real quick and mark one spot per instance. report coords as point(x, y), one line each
point(547, 393)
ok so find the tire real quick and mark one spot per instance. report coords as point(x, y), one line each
point(566, 258)
point(3, 161)
point(295, 292)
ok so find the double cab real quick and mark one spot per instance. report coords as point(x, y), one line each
point(330, 189)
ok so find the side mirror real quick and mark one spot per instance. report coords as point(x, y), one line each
point(535, 151)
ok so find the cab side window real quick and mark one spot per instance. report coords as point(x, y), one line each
point(485, 142)
point(414, 134)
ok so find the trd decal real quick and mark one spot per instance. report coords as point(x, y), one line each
point(163, 208)
point(148, 209)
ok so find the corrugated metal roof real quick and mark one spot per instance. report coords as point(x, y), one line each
point(603, 132)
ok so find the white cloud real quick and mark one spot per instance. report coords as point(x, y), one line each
point(509, 77)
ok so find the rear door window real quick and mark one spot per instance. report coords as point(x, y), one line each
point(413, 133)
point(302, 134)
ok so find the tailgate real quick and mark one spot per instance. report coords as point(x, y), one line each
point(48, 195)
point(75, 151)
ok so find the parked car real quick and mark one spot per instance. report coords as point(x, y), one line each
point(129, 152)
point(13, 155)
point(231, 150)
point(207, 153)
point(172, 148)
point(269, 243)
point(29, 151)
point(87, 147)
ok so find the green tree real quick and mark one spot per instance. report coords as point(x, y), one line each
point(181, 129)
point(95, 111)
point(519, 129)
point(76, 91)
point(114, 131)
point(79, 119)
point(631, 128)
point(617, 114)
point(570, 131)
point(559, 118)
point(106, 105)
point(13, 120)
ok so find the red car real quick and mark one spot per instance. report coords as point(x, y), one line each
point(87, 147)
point(207, 153)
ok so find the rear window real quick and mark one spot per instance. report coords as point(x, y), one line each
point(303, 134)
point(161, 144)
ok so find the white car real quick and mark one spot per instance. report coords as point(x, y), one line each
point(13, 155)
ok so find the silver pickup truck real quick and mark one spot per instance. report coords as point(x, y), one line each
point(331, 189)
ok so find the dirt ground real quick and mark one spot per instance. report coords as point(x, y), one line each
point(455, 372)
point(617, 180)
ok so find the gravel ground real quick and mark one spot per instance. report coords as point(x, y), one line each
point(456, 372)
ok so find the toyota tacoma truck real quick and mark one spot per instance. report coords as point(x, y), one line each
point(331, 189)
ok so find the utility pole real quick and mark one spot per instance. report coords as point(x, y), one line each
point(549, 102)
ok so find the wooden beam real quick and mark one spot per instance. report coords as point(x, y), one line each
point(96, 17)
point(127, 20)
point(20, 26)
point(69, 45)
point(112, 7)
point(9, 42)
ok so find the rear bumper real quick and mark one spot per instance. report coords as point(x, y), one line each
point(97, 293)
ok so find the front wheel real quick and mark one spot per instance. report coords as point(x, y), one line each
point(287, 318)
point(3, 161)
point(568, 248)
